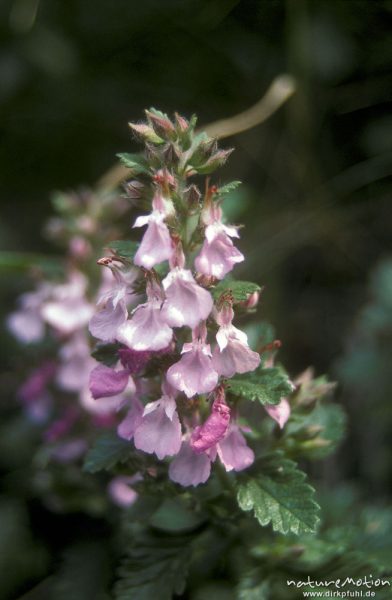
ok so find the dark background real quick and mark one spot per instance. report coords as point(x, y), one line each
point(315, 196)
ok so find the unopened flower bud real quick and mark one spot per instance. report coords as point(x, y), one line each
point(146, 133)
point(161, 124)
point(133, 189)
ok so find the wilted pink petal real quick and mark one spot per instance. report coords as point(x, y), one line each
point(194, 372)
point(279, 412)
point(146, 330)
point(187, 303)
point(160, 429)
point(156, 245)
point(234, 452)
point(128, 426)
point(214, 428)
point(105, 381)
point(218, 257)
point(189, 468)
point(105, 323)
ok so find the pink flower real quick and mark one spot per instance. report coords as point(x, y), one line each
point(26, 324)
point(128, 426)
point(147, 329)
point(113, 300)
point(187, 303)
point(279, 412)
point(218, 254)
point(160, 430)
point(189, 468)
point(75, 364)
point(105, 382)
point(232, 355)
point(120, 491)
point(194, 372)
point(68, 310)
point(233, 450)
point(214, 428)
point(156, 245)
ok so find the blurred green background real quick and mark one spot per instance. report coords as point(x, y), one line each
point(316, 194)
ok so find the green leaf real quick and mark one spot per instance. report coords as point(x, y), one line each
point(229, 187)
point(107, 451)
point(281, 496)
point(135, 162)
point(24, 261)
point(123, 248)
point(239, 289)
point(106, 353)
point(155, 567)
point(249, 590)
point(175, 517)
point(267, 386)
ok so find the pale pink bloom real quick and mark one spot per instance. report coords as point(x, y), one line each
point(68, 309)
point(232, 355)
point(194, 372)
point(105, 382)
point(218, 254)
point(233, 450)
point(116, 294)
point(147, 329)
point(26, 324)
point(106, 322)
point(109, 405)
point(189, 468)
point(218, 257)
point(156, 245)
point(160, 430)
point(187, 303)
point(75, 364)
point(120, 491)
point(214, 428)
point(131, 422)
point(279, 412)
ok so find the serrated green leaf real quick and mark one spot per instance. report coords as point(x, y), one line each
point(106, 353)
point(267, 386)
point(135, 162)
point(281, 496)
point(239, 289)
point(229, 187)
point(123, 248)
point(155, 567)
point(107, 451)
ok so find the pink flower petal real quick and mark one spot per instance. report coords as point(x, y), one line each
point(193, 373)
point(189, 468)
point(146, 330)
point(156, 245)
point(213, 429)
point(279, 412)
point(218, 257)
point(157, 432)
point(234, 452)
point(187, 303)
point(105, 382)
point(105, 323)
